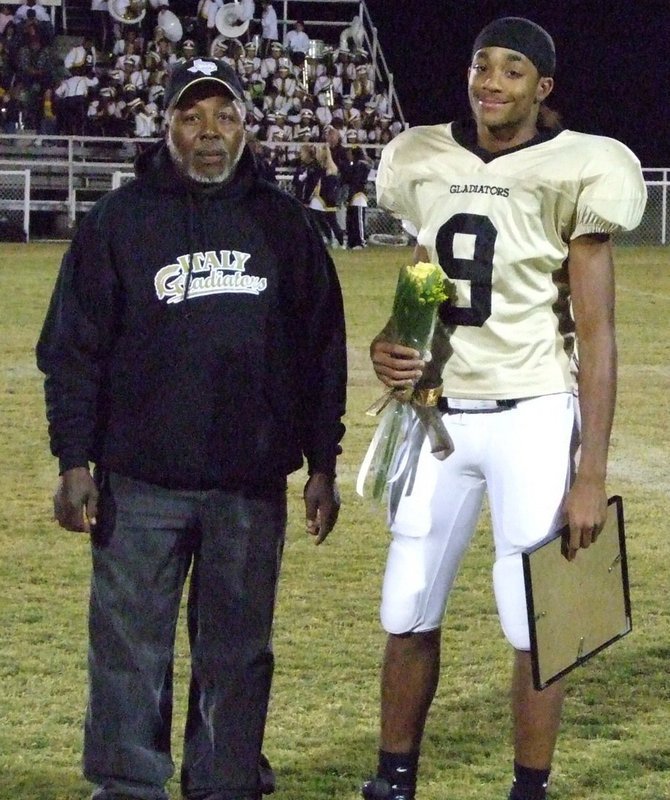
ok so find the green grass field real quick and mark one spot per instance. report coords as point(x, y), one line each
point(322, 728)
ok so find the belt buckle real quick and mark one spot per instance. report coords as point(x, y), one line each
point(466, 405)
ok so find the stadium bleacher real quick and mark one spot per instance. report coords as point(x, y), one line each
point(101, 80)
point(63, 153)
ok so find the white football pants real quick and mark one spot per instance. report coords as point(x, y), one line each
point(522, 457)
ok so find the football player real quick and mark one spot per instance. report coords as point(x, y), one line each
point(519, 217)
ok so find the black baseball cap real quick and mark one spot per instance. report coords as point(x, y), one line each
point(197, 70)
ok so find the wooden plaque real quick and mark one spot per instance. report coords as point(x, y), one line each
point(576, 608)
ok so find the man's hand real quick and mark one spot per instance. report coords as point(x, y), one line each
point(397, 366)
point(586, 509)
point(322, 505)
point(76, 500)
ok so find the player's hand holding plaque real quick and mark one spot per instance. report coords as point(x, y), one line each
point(576, 608)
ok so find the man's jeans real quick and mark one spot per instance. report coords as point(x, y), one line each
point(146, 540)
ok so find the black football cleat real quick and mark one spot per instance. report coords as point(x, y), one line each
point(381, 789)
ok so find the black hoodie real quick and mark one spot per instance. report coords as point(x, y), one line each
point(227, 387)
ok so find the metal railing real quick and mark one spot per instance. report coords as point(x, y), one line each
point(66, 175)
point(371, 38)
point(655, 225)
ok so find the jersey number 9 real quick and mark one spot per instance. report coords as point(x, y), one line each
point(477, 270)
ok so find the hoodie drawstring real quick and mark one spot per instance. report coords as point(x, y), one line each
point(190, 238)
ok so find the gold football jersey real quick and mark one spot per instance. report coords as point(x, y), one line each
point(500, 228)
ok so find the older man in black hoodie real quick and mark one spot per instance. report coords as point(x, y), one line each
point(194, 354)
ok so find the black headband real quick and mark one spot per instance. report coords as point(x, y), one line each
point(524, 36)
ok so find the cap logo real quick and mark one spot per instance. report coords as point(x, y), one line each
point(205, 67)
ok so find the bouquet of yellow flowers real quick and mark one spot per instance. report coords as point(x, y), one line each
point(421, 289)
point(409, 415)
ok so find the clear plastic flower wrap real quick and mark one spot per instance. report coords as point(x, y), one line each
point(409, 416)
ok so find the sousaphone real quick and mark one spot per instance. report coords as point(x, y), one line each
point(227, 21)
point(127, 12)
point(170, 24)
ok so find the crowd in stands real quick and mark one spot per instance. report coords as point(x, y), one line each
point(112, 83)
point(325, 99)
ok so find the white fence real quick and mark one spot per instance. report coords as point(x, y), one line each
point(15, 201)
point(64, 176)
point(655, 225)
